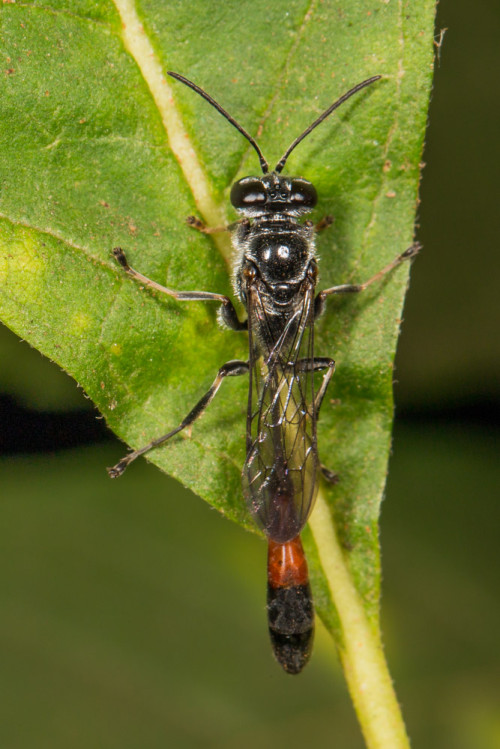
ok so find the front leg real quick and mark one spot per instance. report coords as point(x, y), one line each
point(320, 225)
point(199, 225)
point(241, 227)
point(323, 223)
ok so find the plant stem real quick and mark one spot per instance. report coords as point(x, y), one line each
point(361, 651)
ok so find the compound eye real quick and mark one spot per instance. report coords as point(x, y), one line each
point(303, 193)
point(248, 192)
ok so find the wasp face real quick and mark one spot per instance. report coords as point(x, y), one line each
point(272, 193)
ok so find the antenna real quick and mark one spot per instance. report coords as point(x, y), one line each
point(263, 163)
point(281, 163)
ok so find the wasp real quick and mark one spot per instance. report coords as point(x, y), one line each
point(275, 279)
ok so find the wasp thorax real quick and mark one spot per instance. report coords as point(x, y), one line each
point(282, 257)
point(272, 193)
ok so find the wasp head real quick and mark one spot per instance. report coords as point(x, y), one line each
point(271, 194)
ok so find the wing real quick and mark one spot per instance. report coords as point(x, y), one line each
point(280, 472)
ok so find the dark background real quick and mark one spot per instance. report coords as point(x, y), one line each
point(132, 615)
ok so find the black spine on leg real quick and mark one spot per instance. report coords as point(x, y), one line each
point(290, 613)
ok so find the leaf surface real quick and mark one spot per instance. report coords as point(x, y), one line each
point(86, 164)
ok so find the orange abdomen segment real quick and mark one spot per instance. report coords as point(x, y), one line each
point(290, 609)
point(286, 564)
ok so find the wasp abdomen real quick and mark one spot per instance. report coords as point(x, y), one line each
point(290, 609)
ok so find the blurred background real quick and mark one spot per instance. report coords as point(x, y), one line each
point(132, 615)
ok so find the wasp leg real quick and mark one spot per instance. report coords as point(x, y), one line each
point(348, 288)
point(199, 225)
point(328, 475)
point(317, 365)
point(228, 311)
point(230, 369)
point(323, 362)
point(323, 223)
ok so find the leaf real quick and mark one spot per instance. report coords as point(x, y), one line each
point(88, 124)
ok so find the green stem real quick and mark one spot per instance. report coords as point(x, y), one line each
point(361, 651)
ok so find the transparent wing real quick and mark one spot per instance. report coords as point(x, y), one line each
point(280, 472)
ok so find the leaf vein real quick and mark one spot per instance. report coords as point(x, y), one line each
point(140, 47)
point(60, 238)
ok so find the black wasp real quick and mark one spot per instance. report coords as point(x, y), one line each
point(275, 279)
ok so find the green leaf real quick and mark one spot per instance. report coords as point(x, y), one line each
point(98, 150)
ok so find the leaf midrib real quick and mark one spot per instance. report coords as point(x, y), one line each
point(140, 47)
